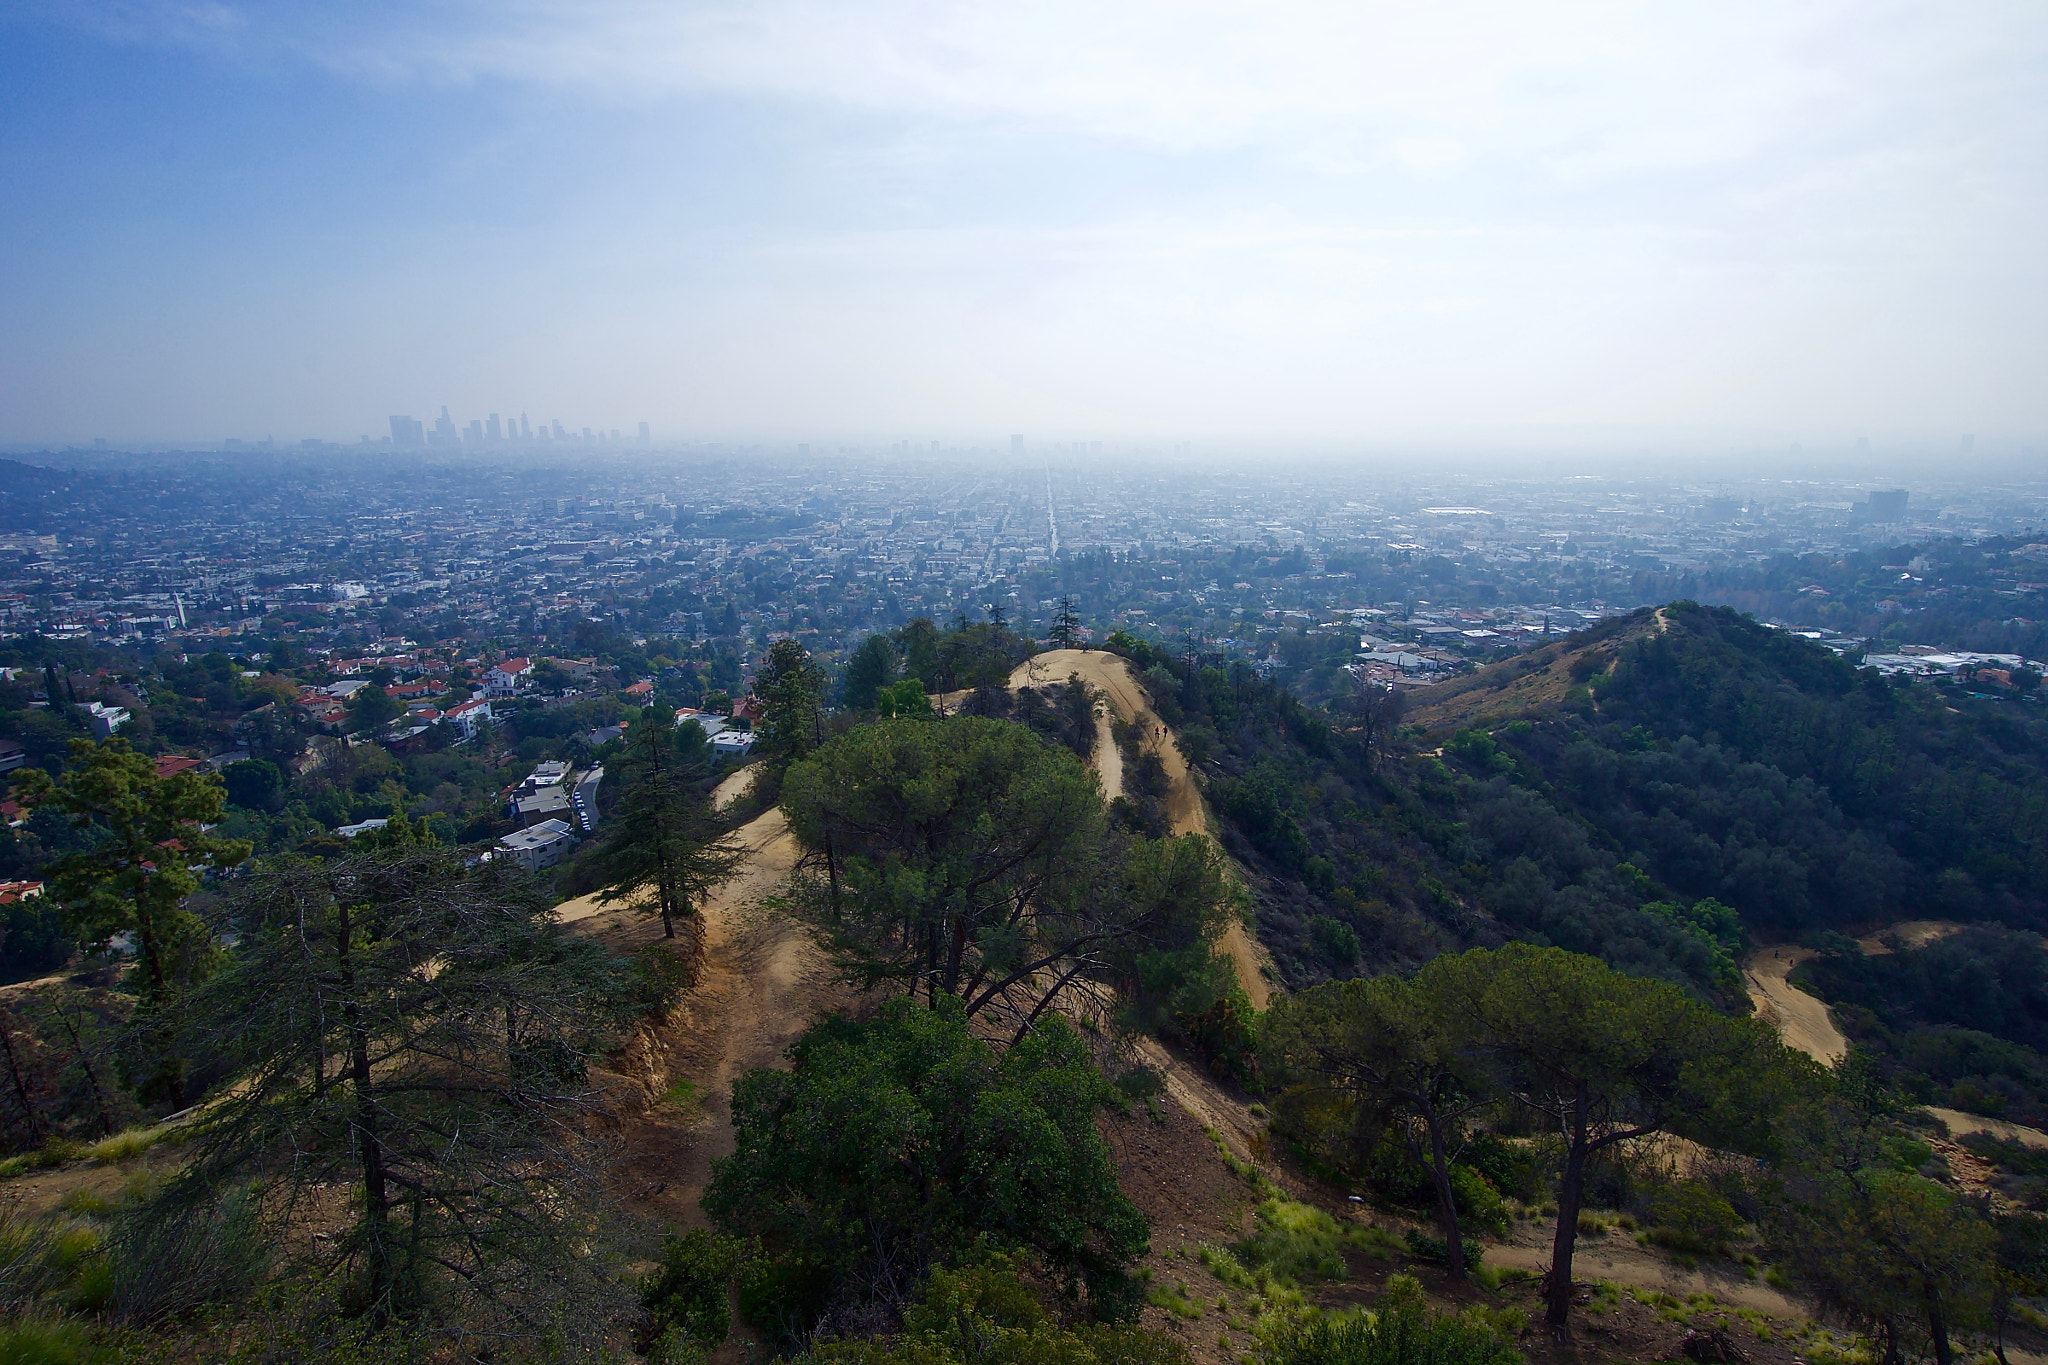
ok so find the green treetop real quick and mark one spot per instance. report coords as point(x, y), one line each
point(148, 847)
point(663, 837)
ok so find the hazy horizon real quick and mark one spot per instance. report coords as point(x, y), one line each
point(1607, 226)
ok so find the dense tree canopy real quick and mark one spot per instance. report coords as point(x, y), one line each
point(893, 1145)
point(965, 849)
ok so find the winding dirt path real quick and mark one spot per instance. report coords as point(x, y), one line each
point(1110, 674)
point(761, 982)
point(1801, 1020)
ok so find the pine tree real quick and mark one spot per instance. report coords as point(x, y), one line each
point(1066, 626)
point(425, 1035)
point(150, 846)
point(665, 838)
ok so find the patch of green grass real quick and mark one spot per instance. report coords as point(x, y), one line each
point(1262, 1290)
point(60, 1151)
point(1300, 1243)
point(91, 1203)
point(685, 1095)
point(125, 1146)
point(1175, 1301)
point(45, 1343)
point(53, 1153)
point(1494, 1276)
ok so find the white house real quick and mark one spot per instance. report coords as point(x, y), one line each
point(466, 716)
point(733, 744)
point(504, 677)
point(106, 719)
point(546, 844)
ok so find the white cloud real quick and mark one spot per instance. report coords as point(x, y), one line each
point(1585, 87)
point(1340, 214)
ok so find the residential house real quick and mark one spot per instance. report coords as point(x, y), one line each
point(467, 716)
point(733, 745)
point(506, 676)
point(543, 796)
point(542, 846)
point(106, 719)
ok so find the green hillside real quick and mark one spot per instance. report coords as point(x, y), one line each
point(1619, 792)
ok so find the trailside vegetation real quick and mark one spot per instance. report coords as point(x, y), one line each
point(665, 848)
point(966, 857)
point(893, 1146)
point(424, 1036)
point(147, 846)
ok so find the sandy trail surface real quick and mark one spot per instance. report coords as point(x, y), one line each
point(761, 983)
point(1617, 1259)
point(1805, 1024)
point(1802, 1020)
point(1960, 1123)
point(1914, 932)
point(1110, 674)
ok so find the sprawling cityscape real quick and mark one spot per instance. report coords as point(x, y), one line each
point(720, 551)
point(621, 577)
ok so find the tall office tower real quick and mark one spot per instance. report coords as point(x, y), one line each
point(475, 434)
point(1889, 505)
point(646, 435)
point(586, 435)
point(407, 434)
point(444, 428)
point(491, 429)
point(1017, 447)
point(560, 435)
point(525, 431)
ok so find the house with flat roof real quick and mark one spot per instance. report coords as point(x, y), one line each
point(543, 846)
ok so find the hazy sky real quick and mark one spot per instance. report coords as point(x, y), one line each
point(876, 219)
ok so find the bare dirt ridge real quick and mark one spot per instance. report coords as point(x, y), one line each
point(1110, 675)
point(761, 982)
point(1913, 932)
point(1800, 1019)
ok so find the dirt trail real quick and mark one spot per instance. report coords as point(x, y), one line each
point(762, 982)
point(1960, 1123)
point(1805, 1024)
point(1110, 674)
point(1914, 932)
point(1617, 1259)
point(1802, 1020)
